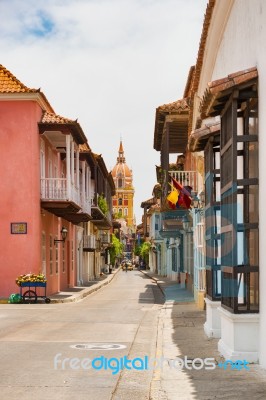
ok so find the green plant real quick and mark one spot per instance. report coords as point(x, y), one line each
point(145, 248)
point(137, 250)
point(116, 249)
point(118, 215)
point(143, 251)
point(102, 203)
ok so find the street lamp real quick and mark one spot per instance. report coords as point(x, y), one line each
point(174, 243)
point(64, 233)
point(185, 223)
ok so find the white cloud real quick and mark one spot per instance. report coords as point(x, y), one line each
point(109, 63)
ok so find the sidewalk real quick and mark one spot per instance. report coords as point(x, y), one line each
point(79, 292)
point(181, 336)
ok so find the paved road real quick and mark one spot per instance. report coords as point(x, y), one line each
point(32, 335)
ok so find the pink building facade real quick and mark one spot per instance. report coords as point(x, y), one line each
point(46, 184)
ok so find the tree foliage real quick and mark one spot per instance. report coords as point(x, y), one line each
point(116, 250)
point(102, 203)
point(144, 250)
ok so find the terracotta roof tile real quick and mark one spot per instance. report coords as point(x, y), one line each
point(195, 78)
point(52, 118)
point(199, 137)
point(176, 106)
point(180, 110)
point(84, 148)
point(190, 78)
point(49, 120)
point(187, 103)
point(216, 89)
point(203, 40)
point(10, 84)
point(148, 203)
point(232, 80)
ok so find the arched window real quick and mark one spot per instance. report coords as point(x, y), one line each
point(120, 201)
point(120, 180)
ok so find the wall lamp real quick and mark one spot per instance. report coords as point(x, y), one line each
point(198, 203)
point(186, 224)
point(175, 244)
point(64, 233)
point(171, 245)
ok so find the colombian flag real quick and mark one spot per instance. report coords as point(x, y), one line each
point(184, 198)
point(173, 198)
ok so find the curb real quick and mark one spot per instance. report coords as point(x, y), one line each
point(156, 280)
point(156, 392)
point(86, 292)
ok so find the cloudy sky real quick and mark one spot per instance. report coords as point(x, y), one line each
point(109, 63)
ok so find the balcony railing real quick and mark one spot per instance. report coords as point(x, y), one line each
point(94, 204)
point(89, 242)
point(105, 237)
point(186, 178)
point(56, 189)
point(85, 204)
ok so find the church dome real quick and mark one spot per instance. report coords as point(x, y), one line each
point(121, 171)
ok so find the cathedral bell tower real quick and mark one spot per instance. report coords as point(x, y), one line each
point(123, 178)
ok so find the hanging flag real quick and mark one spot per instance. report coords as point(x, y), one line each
point(184, 198)
point(172, 198)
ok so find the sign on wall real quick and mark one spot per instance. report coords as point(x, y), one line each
point(19, 228)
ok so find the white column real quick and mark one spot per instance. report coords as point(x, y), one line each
point(83, 173)
point(89, 190)
point(239, 336)
point(72, 161)
point(212, 326)
point(77, 169)
point(68, 170)
point(87, 182)
point(262, 218)
point(79, 236)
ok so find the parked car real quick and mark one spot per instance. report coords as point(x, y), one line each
point(127, 265)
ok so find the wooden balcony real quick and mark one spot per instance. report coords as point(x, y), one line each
point(99, 219)
point(105, 238)
point(186, 178)
point(172, 223)
point(89, 243)
point(64, 200)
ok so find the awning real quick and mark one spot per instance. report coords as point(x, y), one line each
point(174, 118)
point(219, 91)
point(199, 137)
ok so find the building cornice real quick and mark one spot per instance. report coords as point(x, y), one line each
point(38, 97)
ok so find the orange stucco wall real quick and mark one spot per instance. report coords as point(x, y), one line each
point(19, 191)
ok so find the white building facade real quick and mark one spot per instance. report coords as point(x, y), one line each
point(232, 90)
